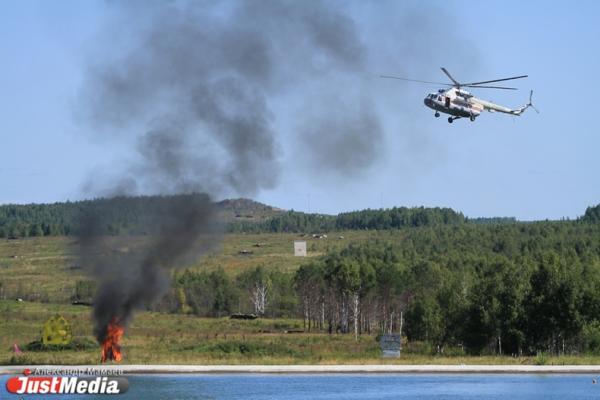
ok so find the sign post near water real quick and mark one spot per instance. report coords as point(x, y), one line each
point(390, 345)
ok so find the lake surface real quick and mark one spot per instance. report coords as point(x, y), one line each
point(350, 386)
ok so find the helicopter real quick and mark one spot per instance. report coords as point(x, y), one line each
point(459, 103)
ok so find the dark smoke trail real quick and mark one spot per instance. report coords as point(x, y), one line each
point(193, 85)
point(132, 271)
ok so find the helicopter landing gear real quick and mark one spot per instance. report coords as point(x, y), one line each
point(472, 118)
point(451, 119)
point(437, 114)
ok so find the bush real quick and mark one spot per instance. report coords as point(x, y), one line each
point(80, 343)
point(541, 359)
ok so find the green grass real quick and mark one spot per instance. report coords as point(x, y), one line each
point(44, 271)
point(40, 269)
point(171, 338)
point(158, 338)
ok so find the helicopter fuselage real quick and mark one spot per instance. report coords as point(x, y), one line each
point(462, 104)
point(454, 102)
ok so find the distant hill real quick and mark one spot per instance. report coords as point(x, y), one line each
point(231, 210)
point(125, 215)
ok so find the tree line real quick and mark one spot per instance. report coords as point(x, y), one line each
point(392, 218)
point(486, 289)
point(122, 215)
point(129, 215)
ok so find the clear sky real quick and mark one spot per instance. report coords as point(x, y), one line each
point(536, 166)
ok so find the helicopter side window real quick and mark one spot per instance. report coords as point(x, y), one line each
point(439, 98)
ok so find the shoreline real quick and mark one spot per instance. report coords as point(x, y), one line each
point(313, 369)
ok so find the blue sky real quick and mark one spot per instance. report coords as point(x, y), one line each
point(537, 166)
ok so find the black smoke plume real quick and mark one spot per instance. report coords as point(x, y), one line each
point(191, 88)
point(132, 271)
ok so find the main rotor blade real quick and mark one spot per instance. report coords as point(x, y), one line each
point(450, 76)
point(413, 80)
point(490, 87)
point(497, 80)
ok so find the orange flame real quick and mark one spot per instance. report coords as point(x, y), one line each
point(111, 347)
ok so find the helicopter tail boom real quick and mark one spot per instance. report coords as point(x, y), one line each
point(521, 110)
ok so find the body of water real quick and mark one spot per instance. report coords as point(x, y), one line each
point(350, 386)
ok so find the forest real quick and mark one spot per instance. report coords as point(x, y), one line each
point(485, 286)
point(484, 289)
point(128, 216)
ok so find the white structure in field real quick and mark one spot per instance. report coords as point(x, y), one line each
point(300, 249)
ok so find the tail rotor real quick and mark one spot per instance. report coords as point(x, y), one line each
point(521, 110)
point(530, 104)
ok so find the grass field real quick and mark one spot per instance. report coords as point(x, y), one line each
point(43, 272)
point(157, 338)
point(46, 269)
